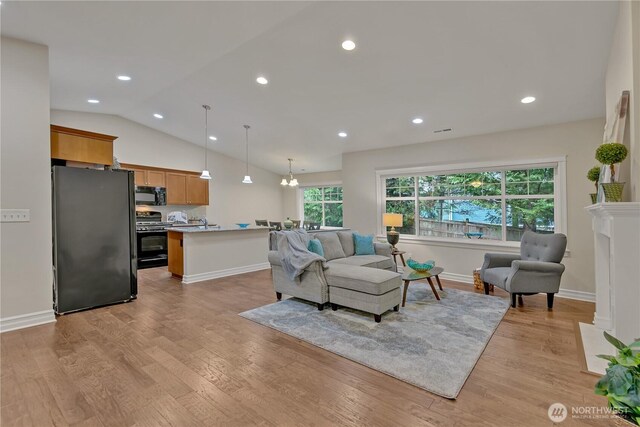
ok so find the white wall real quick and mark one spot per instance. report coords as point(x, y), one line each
point(290, 196)
point(25, 182)
point(230, 201)
point(576, 140)
point(623, 72)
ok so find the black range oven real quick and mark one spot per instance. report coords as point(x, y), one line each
point(151, 239)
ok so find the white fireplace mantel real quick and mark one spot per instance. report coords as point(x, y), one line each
point(616, 228)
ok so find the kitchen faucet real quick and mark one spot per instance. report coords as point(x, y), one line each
point(204, 222)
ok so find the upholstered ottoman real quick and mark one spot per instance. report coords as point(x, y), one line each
point(362, 288)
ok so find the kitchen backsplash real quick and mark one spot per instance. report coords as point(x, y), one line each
point(196, 212)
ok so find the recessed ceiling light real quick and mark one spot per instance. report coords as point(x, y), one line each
point(124, 78)
point(342, 134)
point(528, 99)
point(158, 116)
point(417, 121)
point(262, 80)
point(348, 45)
point(93, 101)
point(213, 138)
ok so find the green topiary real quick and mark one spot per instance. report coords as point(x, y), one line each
point(610, 154)
point(593, 175)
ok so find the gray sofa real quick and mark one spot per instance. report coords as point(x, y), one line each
point(536, 270)
point(364, 282)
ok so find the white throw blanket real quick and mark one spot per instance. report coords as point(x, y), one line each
point(294, 253)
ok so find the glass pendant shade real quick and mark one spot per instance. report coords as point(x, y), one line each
point(293, 183)
point(205, 174)
point(247, 180)
point(284, 181)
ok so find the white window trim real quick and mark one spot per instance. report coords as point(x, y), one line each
point(300, 195)
point(559, 197)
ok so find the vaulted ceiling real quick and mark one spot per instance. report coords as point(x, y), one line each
point(458, 65)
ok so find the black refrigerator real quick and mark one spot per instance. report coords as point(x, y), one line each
point(94, 238)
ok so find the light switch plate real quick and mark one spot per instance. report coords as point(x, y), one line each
point(15, 215)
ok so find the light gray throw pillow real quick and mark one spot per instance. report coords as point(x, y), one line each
point(331, 245)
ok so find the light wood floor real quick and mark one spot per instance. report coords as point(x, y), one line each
point(180, 355)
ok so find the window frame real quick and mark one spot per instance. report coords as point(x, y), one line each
point(559, 196)
point(323, 185)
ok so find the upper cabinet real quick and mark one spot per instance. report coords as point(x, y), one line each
point(187, 189)
point(183, 187)
point(81, 146)
point(149, 178)
point(197, 190)
point(176, 188)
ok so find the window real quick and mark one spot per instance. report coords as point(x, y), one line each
point(496, 204)
point(323, 205)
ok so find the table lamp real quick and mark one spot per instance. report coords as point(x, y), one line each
point(392, 220)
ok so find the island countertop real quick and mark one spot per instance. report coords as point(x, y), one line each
point(210, 228)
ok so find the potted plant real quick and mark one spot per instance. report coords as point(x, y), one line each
point(593, 175)
point(621, 383)
point(610, 154)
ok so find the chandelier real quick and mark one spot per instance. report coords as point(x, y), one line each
point(292, 182)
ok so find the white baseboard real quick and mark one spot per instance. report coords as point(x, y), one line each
point(564, 293)
point(462, 278)
point(193, 278)
point(26, 320)
point(578, 295)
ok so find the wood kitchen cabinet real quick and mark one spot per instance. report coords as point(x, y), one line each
point(176, 188)
point(197, 190)
point(81, 146)
point(183, 187)
point(149, 178)
point(175, 253)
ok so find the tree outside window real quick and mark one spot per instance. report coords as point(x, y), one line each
point(494, 205)
point(323, 205)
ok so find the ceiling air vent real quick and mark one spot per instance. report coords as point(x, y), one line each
point(442, 130)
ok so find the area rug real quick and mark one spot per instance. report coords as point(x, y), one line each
point(431, 344)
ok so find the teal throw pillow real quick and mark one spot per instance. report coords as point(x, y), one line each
point(364, 244)
point(316, 247)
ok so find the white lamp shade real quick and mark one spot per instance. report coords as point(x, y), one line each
point(284, 181)
point(205, 174)
point(293, 183)
point(247, 180)
point(392, 220)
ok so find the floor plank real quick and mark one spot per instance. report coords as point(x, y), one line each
point(180, 355)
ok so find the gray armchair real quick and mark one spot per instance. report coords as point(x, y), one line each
point(536, 270)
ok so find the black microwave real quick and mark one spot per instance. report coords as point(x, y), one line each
point(151, 196)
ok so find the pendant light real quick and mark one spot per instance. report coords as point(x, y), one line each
point(247, 177)
point(292, 181)
point(205, 172)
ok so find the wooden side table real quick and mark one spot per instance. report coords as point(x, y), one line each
point(411, 275)
point(398, 252)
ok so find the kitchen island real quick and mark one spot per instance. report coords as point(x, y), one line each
point(202, 253)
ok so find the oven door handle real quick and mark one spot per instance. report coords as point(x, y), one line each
point(143, 259)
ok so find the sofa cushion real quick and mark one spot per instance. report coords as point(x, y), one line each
point(497, 276)
point(331, 245)
point(346, 240)
point(316, 247)
point(364, 244)
point(374, 261)
point(362, 279)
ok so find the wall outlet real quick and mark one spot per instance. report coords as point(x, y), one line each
point(15, 215)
